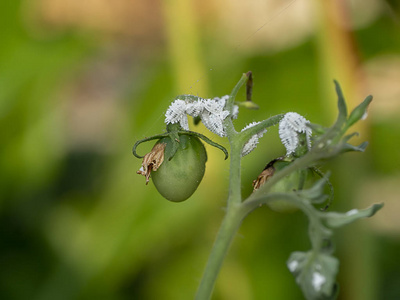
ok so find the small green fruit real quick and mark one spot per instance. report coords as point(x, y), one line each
point(178, 178)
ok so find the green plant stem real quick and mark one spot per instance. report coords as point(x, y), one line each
point(235, 197)
point(235, 90)
point(230, 223)
point(227, 231)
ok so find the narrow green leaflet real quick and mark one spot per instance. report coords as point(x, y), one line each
point(360, 112)
point(316, 193)
point(334, 220)
point(341, 106)
point(348, 147)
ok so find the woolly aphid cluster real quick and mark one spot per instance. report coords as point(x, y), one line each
point(253, 141)
point(212, 113)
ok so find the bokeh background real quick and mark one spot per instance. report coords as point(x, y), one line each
point(81, 81)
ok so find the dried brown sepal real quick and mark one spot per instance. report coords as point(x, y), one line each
point(263, 177)
point(152, 161)
point(267, 173)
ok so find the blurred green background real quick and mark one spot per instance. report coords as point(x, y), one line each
point(81, 81)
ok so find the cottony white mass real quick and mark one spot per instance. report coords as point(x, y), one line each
point(291, 125)
point(253, 141)
point(211, 112)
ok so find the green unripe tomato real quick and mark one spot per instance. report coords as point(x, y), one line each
point(178, 178)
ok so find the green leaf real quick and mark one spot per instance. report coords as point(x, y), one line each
point(360, 112)
point(207, 140)
point(315, 273)
point(316, 193)
point(173, 135)
point(335, 220)
point(348, 147)
point(341, 105)
point(155, 137)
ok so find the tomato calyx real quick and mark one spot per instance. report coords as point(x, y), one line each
point(174, 131)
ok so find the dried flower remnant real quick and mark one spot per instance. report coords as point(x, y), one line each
point(152, 161)
point(263, 177)
point(266, 174)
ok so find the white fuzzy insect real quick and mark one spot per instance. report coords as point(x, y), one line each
point(195, 108)
point(213, 122)
point(211, 112)
point(176, 113)
point(291, 125)
point(253, 141)
point(235, 112)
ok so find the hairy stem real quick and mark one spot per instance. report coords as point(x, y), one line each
point(226, 233)
point(235, 197)
point(235, 90)
point(230, 223)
